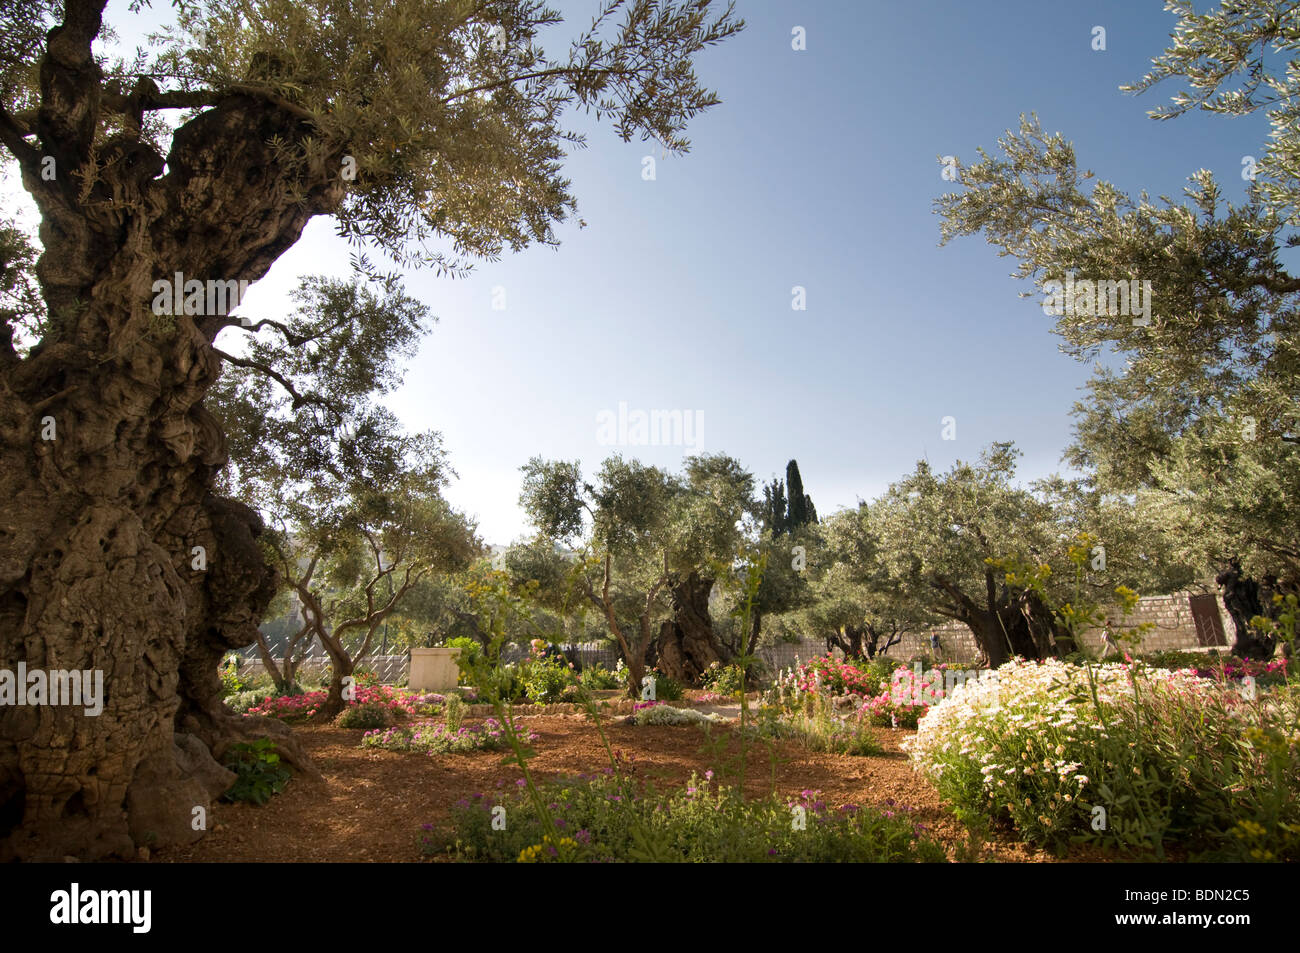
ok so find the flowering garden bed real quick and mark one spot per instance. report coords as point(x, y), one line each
point(1085, 761)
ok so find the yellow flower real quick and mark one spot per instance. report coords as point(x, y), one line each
point(530, 855)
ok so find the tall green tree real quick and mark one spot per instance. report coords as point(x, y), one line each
point(784, 586)
point(648, 536)
point(355, 502)
point(432, 130)
point(801, 511)
point(1202, 413)
point(851, 602)
point(939, 535)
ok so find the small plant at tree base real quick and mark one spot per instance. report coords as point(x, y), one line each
point(259, 773)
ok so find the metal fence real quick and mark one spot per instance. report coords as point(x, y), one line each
point(391, 669)
point(394, 669)
point(581, 654)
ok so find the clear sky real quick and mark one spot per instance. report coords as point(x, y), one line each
point(819, 169)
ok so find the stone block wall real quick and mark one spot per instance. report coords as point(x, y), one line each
point(1172, 614)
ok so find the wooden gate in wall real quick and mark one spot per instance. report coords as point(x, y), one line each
point(1209, 623)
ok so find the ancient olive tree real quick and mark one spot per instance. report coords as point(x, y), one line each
point(938, 537)
point(1195, 295)
point(355, 502)
point(654, 545)
point(851, 602)
point(177, 174)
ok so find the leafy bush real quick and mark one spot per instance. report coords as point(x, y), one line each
point(504, 681)
point(368, 715)
point(435, 738)
point(245, 700)
point(818, 730)
point(602, 820)
point(231, 683)
point(598, 678)
point(724, 679)
point(546, 678)
point(470, 653)
point(667, 688)
point(454, 713)
point(1167, 757)
point(259, 773)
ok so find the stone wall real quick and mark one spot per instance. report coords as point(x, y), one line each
point(1172, 615)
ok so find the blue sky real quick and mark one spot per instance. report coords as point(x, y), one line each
point(819, 170)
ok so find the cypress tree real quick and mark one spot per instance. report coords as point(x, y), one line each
point(801, 510)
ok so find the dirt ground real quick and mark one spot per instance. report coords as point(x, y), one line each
point(372, 803)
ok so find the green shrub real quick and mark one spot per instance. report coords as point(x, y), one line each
point(1128, 757)
point(598, 678)
point(231, 683)
point(433, 738)
point(454, 713)
point(259, 773)
point(818, 730)
point(502, 681)
point(545, 679)
point(369, 715)
point(245, 700)
point(603, 820)
point(667, 689)
point(470, 653)
point(723, 679)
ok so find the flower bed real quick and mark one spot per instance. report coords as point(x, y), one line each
point(1128, 756)
point(654, 713)
point(401, 703)
point(436, 738)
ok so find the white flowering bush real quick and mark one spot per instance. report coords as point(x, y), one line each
point(1121, 754)
point(667, 715)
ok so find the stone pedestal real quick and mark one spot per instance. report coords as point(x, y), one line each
point(434, 670)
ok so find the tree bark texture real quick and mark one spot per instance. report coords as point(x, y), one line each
point(107, 462)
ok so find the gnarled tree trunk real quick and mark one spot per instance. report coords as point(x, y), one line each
point(1244, 599)
point(107, 460)
point(686, 645)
